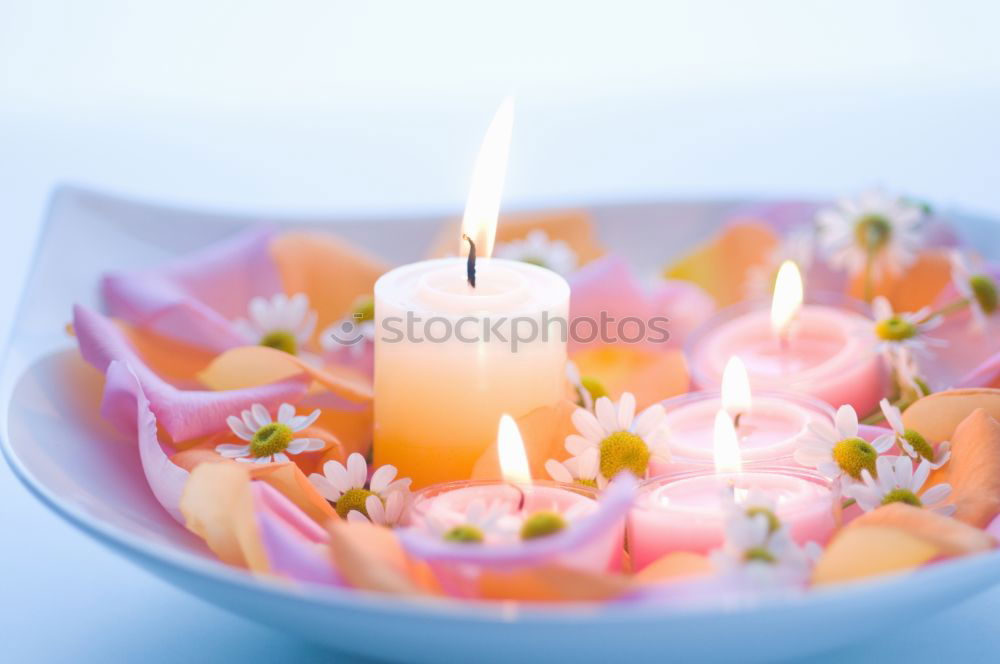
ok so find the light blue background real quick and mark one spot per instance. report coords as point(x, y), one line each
point(333, 106)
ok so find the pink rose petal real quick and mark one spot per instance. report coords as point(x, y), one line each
point(197, 297)
point(184, 414)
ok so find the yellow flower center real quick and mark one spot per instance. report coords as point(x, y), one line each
point(759, 554)
point(895, 328)
point(594, 386)
point(873, 232)
point(465, 534)
point(984, 289)
point(270, 439)
point(919, 444)
point(902, 496)
point(542, 524)
point(773, 523)
point(282, 340)
point(623, 450)
point(583, 481)
point(854, 455)
point(353, 499)
point(364, 309)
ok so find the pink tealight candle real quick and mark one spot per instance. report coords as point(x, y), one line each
point(683, 512)
point(818, 350)
point(769, 431)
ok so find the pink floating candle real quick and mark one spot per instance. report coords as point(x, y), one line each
point(587, 538)
point(819, 350)
point(769, 425)
point(684, 511)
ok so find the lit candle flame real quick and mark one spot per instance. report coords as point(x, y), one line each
point(726, 445)
point(510, 449)
point(482, 207)
point(736, 397)
point(787, 299)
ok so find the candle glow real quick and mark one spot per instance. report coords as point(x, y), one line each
point(726, 445)
point(787, 300)
point(482, 207)
point(514, 465)
point(736, 396)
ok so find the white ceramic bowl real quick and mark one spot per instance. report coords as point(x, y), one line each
point(81, 468)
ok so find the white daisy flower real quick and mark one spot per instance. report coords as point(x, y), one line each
point(354, 330)
point(874, 226)
point(587, 388)
point(903, 330)
point(797, 246)
point(382, 501)
point(906, 370)
point(622, 440)
point(911, 442)
point(269, 441)
point(897, 482)
point(536, 248)
point(758, 545)
point(583, 469)
point(481, 522)
point(281, 322)
point(978, 290)
point(838, 452)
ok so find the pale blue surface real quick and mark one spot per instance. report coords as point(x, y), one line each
point(378, 110)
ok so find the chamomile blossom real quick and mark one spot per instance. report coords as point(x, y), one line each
point(897, 482)
point(587, 388)
point(758, 545)
point(538, 249)
point(623, 441)
point(281, 322)
point(837, 451)
point(584, 469)
point(979, 290)
point(382, 500)
point(269, 441)
point(480, 522)
point(903, 330)
point(354, 330)
point(913, 444)
point(906, 370)
point(874, 229)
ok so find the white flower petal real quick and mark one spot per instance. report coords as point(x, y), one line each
point(280, 457)
point(606, 415)
point(260, 415)
point(238, 427)
point(376, 511)
point(558, 472)
point(936, 494)
point(357, 470)
point(232, 451)
point(381, 478)
point(576, 444)
point(300, 422)
point(586, 423)
point(847, 422)
point(626, 411)
point(338, 476)
point(285, 412)
point(325, 487)
point(354, 516)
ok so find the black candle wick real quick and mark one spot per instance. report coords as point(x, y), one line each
point(471, 265)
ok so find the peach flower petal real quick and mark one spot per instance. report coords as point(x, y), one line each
point(369, 557)
point(974, 469)
point(858, 552)
point(330, 271)
point(218, 507)
point(250, 366)
point(936, 416)
point(673, 566)
point(552, 583)
point(544, 432)
point(720, 265)
point(917, 287)
point(950, 536)
point(651, 377)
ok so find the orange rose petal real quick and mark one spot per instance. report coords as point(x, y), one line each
point(917, 287)
point(858, 552)
point(650, 376)
point(574, 227)
point(936, 416)
point(170, 359)
point(250, 366)
point(551, 583)
point(975, 469)
point(544, 432)
point(218, 507)
point(675, 565)
point(720, 265)
point(370, 557)
point(332, 272)
point(950, 536)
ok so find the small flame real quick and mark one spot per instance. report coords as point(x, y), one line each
point(726, 444)
point(736, 398)
point(787, 298)
point(510, 448)
point(482, 207)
